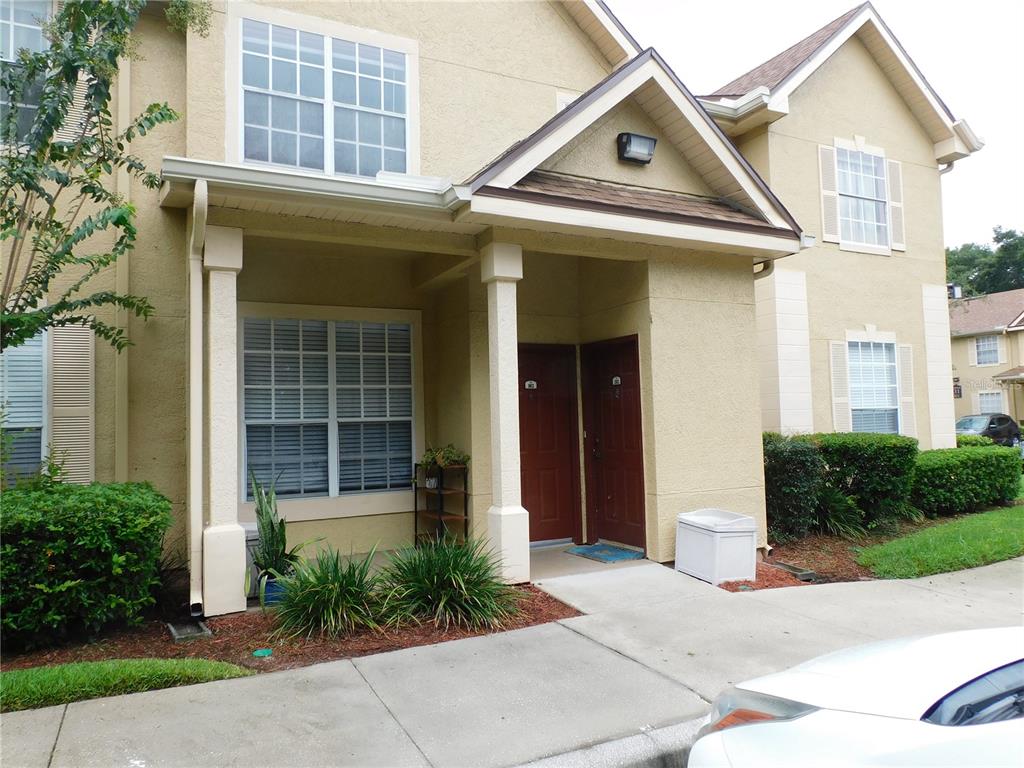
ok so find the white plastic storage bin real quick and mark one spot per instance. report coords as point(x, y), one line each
point(716, 545)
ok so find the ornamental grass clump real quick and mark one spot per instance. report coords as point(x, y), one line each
point(329, 595)
point(450, 583)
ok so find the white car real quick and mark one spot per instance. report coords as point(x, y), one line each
point(955, 699)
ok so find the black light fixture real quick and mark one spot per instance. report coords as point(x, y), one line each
point(635, 148)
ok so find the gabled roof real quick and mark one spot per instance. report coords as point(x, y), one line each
point(660, 93)
point(596, 19)
point(762, 94)
point(987, 314)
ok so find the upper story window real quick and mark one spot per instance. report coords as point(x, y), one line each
point(987, 349)
point(862, 198)
point(21, 26)
point(323, 103)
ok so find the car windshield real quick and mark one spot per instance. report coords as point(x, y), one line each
point(991, 698)
point(972, 422)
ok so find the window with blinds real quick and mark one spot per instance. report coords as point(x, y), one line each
point(21, 27)
point(23, 406)
point(874, 391)
point(328, 405)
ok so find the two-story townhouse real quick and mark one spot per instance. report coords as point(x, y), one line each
point(987, 338)
point(852, 333)
point(387, 226)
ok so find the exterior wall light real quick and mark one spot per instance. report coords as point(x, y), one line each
point(635, 148)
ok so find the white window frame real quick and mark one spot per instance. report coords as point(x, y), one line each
point(977, 351)
point(1002, 400)
point(348, 504)
point(859, 145)
point(877, 337)
point(44, 427)
point(234, 124)
point(51, 12)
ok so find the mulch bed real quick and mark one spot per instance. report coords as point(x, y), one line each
point(768, 577)
point(236, 637)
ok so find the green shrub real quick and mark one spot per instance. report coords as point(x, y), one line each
point(449, 583)
point(957, 480)
point(328, 595)
point(875, 470)
point(973, 441)
point(76, 558)
point(65, 683)
point(792, 481)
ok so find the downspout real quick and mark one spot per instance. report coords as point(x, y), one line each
point(767, 267)
point(194, 520)
point(947, 169)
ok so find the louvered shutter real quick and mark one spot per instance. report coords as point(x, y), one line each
point(972, 350)
point(23, 403)
point(908, 419)
point(1001, 346)
point(72, 127)
point(829, 194)
point(897, 236)
point(841, 418)
point(72, 384)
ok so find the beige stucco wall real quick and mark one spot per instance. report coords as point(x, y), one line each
point(849, 96)
point(978, 378)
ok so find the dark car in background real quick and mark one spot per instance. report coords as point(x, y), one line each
point(997, 426)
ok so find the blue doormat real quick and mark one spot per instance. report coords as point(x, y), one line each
point(605, 553)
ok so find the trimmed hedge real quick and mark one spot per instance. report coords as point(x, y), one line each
point(76, 558)
point(968, 441)
point(876, 471)
point(793, 473)
point(957, 480)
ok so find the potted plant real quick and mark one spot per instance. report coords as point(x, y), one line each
point(436, 459)
point(271, 557)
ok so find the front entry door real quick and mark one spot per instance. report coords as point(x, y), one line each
point(613, 441)
point(548, 446)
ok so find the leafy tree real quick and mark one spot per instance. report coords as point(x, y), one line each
point(980, 269)
point(58, 218)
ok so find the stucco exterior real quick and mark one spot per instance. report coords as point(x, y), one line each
point(974, 379)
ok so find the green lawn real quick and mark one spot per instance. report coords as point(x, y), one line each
point(1020, 488)
point(65, 683)
point(978, 539)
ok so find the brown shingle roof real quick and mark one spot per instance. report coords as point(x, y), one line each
point(578, 192)
point(984, 314)
point(777, 69)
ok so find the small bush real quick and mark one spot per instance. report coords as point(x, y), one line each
point(875, 470)
point(792, 480)
point(76, 558)
point(65, 683)
point(449, 583)
point(957, 480)
point(973, 441)
point(329, 595)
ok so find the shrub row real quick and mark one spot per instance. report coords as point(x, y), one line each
point(77, 558)
point(958, 480)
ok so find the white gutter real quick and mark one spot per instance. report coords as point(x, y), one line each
point(194, 521)
point(734, 109)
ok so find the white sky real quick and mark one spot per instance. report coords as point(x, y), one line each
point(970, 53)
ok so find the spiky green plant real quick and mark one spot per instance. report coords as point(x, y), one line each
point(448, 583)
point(271, 557)
point(328, 595)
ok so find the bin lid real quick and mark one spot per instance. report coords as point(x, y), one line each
point(718, 520)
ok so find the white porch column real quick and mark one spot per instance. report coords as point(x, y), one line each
point(223, 537)
point(508, 524)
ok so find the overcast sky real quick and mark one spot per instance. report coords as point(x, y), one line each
point(970, 52)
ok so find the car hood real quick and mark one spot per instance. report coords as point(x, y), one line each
point(895, 678)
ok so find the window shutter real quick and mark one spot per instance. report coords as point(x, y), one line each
point(72, 384)
point(1001, 343)
point(908, 419)
point(841, 418)
point(972, 350)
point(896, 237)
point(75, 119)
point(829, 194)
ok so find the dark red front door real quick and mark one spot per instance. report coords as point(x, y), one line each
point(613, 444)
point(548, 445)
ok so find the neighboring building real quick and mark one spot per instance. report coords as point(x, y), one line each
point(850, 135)
point(988, 353)
point(343, 274)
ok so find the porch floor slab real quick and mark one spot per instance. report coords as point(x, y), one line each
point(613, 586)
point(554, 561)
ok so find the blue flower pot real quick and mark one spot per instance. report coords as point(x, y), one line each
point(272, 591)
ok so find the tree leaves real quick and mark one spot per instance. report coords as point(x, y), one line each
point(979, 269)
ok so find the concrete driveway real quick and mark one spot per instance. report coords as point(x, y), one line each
point(619, 686)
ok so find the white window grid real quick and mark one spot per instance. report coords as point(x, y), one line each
point(340, 106)
point(987, 349)
point(21, 26)
point(874, 386)
point(990, 402)
point(863, 200)
point(24, 403)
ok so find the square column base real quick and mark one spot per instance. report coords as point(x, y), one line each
point(509, 531)
point(223, 569)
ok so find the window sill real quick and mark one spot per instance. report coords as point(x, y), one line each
point(329, 507)
point(874, 250)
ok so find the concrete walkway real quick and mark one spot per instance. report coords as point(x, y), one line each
point(619, 686)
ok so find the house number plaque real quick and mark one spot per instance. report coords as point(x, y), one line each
point(531, 384)
point(616, 381)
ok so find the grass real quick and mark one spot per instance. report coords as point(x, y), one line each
point(1020, 488)
point(979, 539)
point(65, 683)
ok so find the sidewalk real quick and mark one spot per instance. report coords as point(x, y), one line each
point(653, 649)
